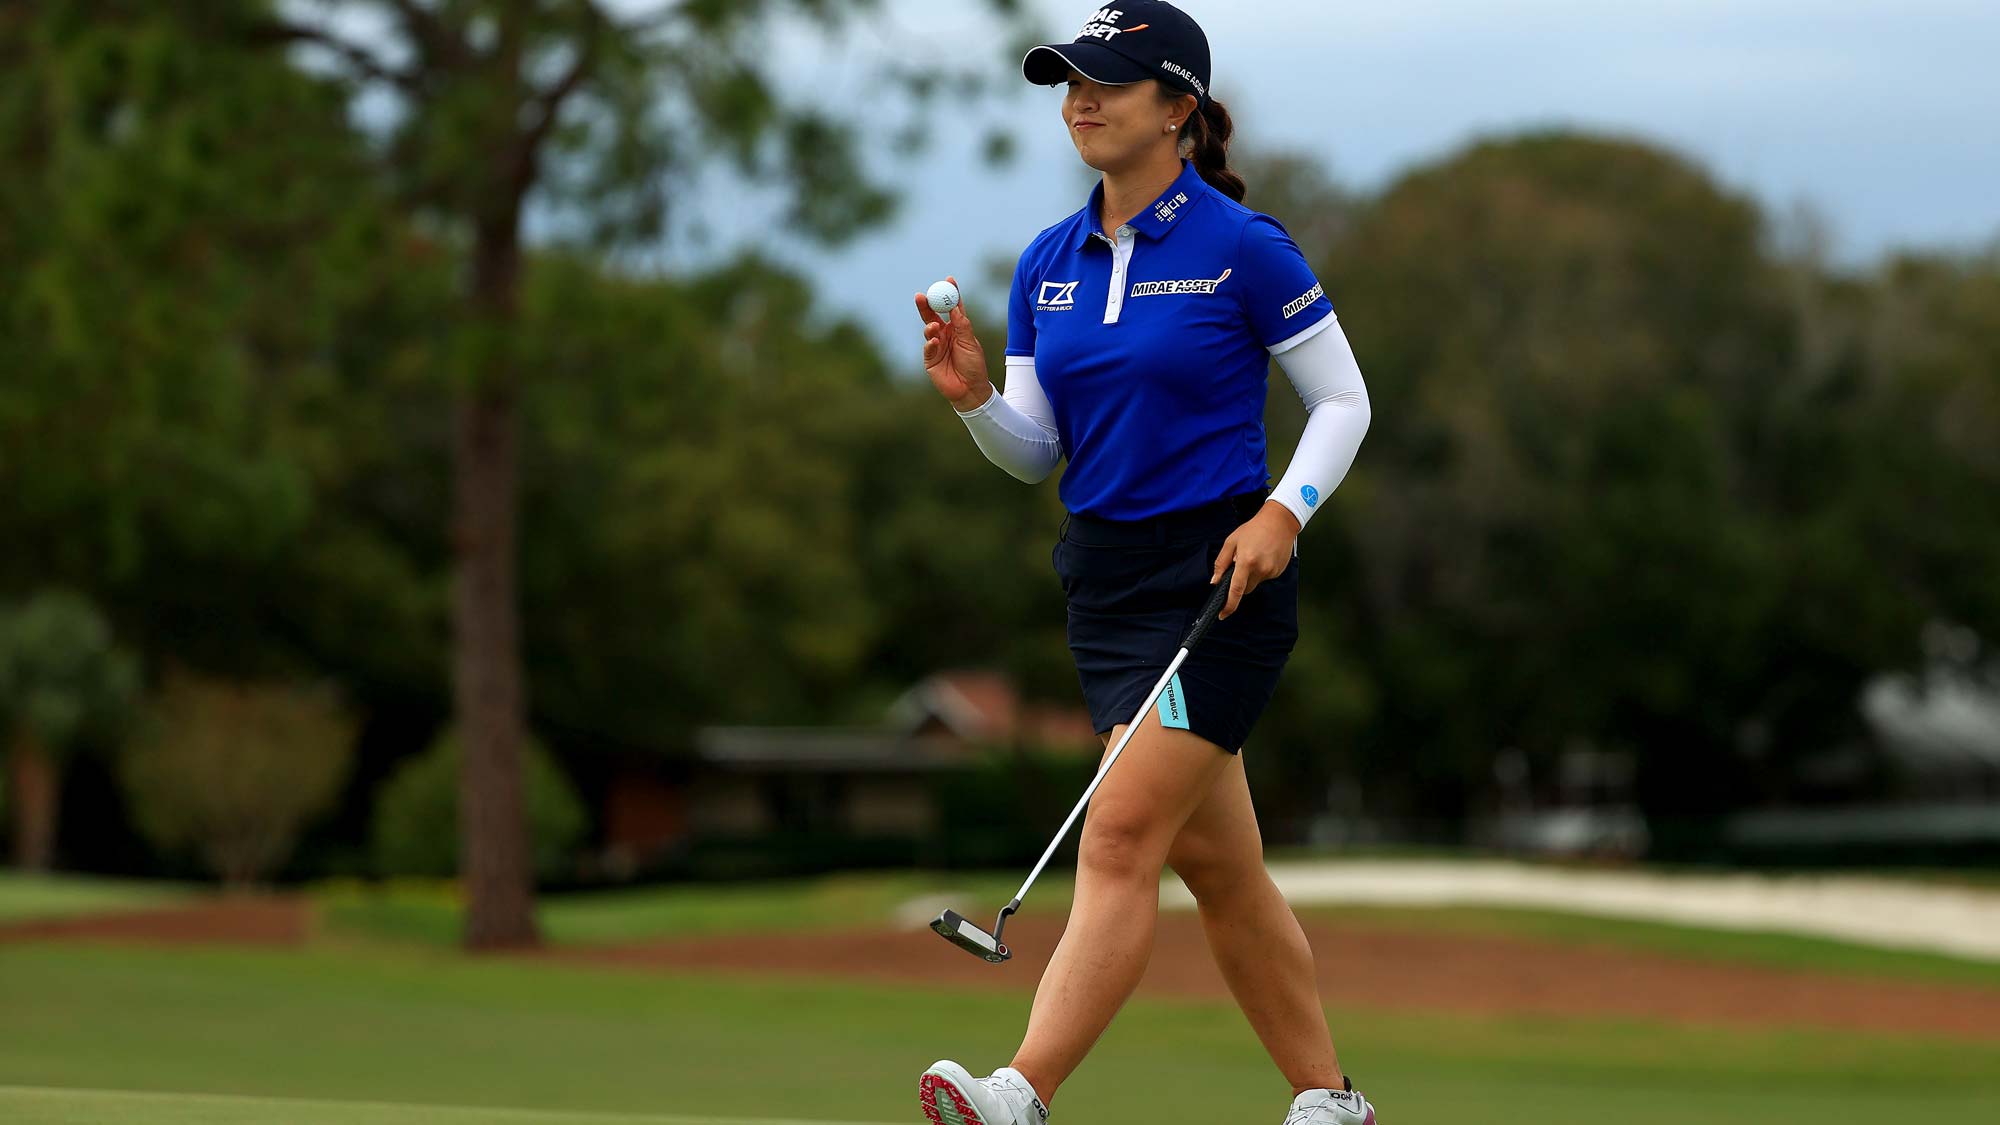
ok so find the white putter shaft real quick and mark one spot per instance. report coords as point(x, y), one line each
point(955, 927)
point(1117, 748)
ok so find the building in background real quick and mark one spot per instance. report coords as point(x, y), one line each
point(1927, 791)
point(765, 800)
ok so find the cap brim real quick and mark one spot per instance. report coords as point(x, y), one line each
point(1050, 64)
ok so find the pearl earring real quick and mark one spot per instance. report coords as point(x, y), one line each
point(1171, 128)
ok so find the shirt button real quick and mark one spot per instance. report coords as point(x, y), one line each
point(1125, 232)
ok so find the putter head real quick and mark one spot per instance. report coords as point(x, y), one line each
point(958, 930)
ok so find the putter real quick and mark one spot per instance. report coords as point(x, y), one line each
point(959, 930)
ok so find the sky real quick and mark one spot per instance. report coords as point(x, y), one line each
point(1882, 117)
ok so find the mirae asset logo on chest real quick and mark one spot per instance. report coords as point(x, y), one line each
point(1060, 296)
point(1192, 285)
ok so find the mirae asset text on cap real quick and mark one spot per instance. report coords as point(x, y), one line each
point(1187, 74)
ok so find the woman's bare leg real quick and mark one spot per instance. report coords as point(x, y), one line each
point(1257, 941)
point(1135, 815)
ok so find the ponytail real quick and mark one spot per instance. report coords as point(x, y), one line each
point(1207, 144)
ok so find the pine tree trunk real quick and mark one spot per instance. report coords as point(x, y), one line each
point(493, 827)
point(35, 793)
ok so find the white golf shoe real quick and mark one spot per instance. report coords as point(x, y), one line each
point(950, 1095)
point(1331, 1107)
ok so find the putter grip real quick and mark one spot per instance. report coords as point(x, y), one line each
point(1209, 611)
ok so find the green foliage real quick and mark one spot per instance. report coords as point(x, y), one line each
point(690, 511)
point(63, 680)
point(1638, 479)
point(1633, 482)
point(162, 285)
point(716, 484)
point(211, 326)
point(416, 827)
point(592, 113)
point(234, 771)
point(229, 367)
point(64, 687)
point(1007, 810)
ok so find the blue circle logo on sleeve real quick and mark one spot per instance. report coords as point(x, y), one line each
point(1311, 494)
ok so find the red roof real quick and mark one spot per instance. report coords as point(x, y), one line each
point(980, 705)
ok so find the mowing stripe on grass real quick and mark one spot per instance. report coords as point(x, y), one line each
point(55, 1103)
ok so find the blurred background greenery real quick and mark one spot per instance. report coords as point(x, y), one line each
point(1655, 498)
point(360, 467)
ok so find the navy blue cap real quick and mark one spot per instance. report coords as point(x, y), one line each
point(1129, 43)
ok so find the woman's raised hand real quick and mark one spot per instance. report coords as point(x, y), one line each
point(952, 356)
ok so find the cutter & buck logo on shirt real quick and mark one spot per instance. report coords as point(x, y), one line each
point(1056, 296)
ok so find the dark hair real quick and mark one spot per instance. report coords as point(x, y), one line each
point(1208, 131)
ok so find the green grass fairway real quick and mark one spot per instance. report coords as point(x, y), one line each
point(428, 912)
point(853, 901)
point(32, 898)
point(372, 1035)
point(28, 1105)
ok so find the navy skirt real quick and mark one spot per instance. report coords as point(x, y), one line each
point(1134, 588)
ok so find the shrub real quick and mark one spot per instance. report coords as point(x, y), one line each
point(416, 813)
point(235, 771)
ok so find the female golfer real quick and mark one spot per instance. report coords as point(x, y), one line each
point(1139, 337)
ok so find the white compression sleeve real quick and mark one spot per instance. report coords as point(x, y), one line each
point(1324, 371)
point(1016, 428)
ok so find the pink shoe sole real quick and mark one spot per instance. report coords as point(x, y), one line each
point(929, 1087)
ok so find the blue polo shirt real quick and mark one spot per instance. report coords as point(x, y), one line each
point(1154, 342)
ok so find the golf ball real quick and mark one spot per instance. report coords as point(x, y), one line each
point(943, 297)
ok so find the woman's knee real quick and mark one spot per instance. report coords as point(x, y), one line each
point(1212, 870)
point(1196, 862)
point(1121, 843)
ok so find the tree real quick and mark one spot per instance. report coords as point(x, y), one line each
point(1569, 340)
point(198, 260)
point(1635, 484)
point(65, 686)
point(590, 110)
point(683, 426)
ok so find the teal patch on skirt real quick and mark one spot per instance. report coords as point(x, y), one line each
point(1173, 705)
